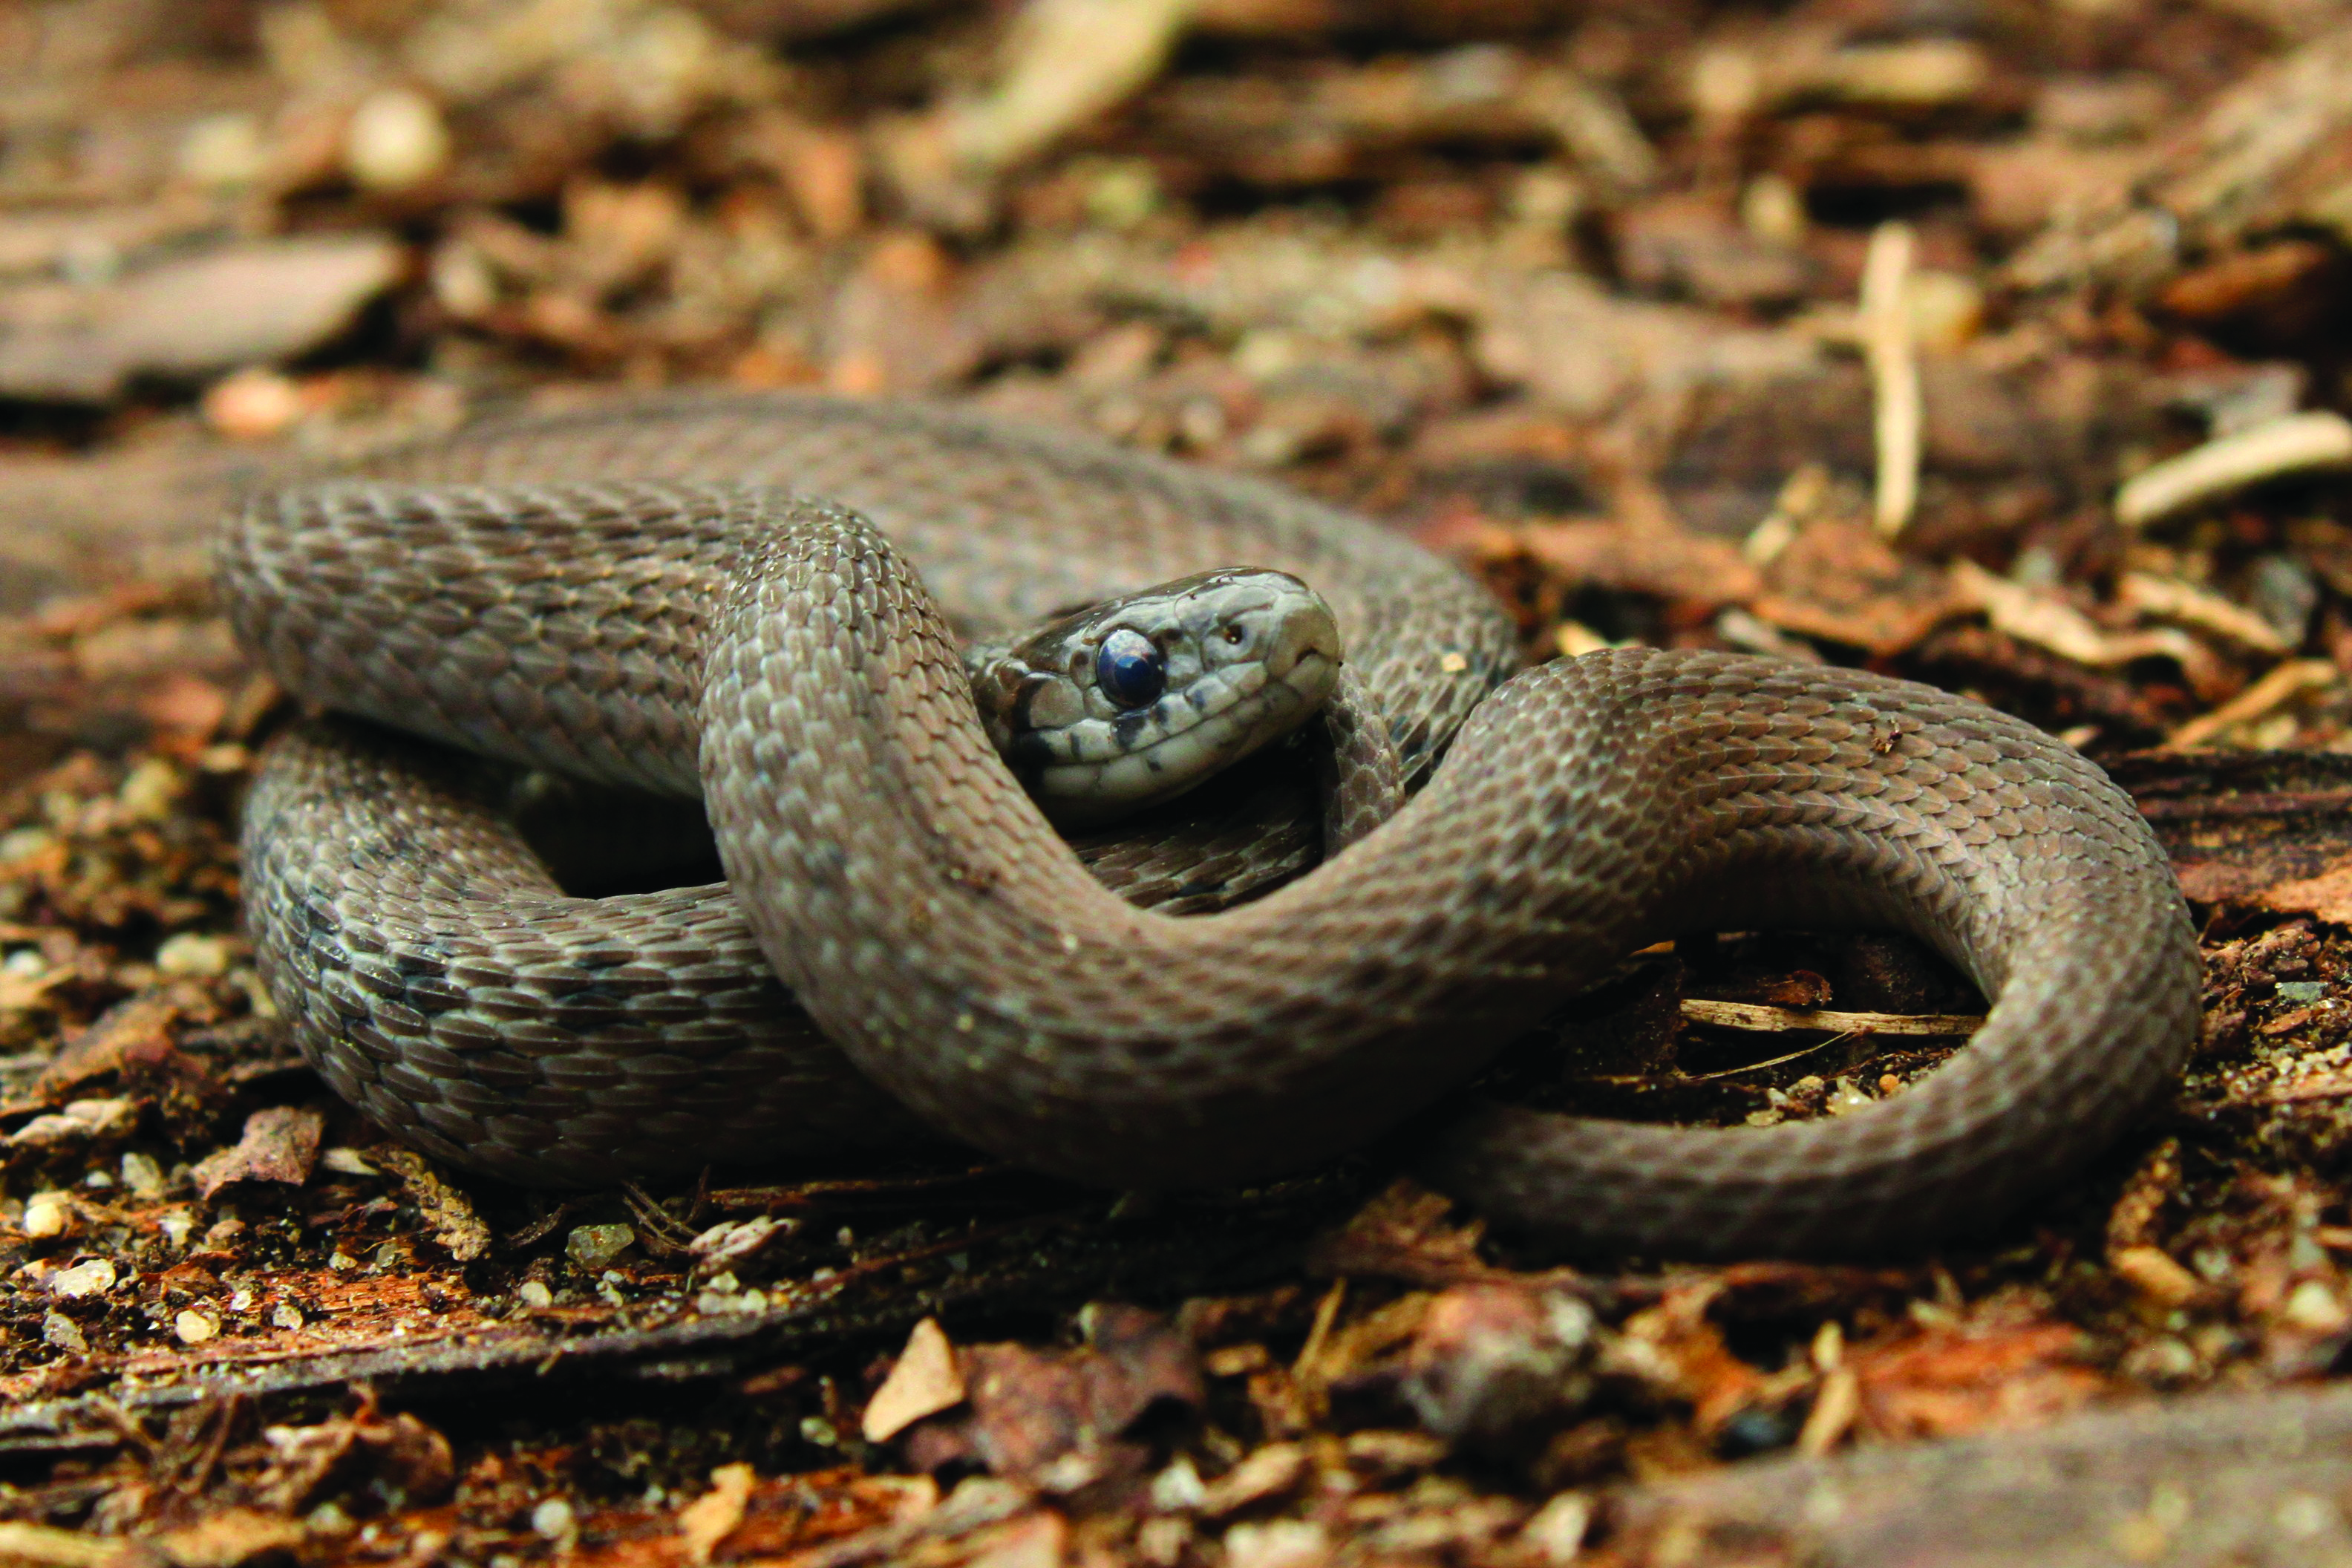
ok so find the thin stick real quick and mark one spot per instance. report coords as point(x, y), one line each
point(2263, 698)
point(2305, 443)
point(1754, 1015)
point(1894, 374)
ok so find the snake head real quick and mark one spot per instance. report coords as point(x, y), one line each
point(1130, 702)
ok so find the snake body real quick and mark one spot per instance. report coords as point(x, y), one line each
point(680, 623)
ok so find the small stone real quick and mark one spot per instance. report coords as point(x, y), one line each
point(341, 1262)
point(189, 956)
point(142, 1175)
point(222, 151)
point(1162, 1542)
point(150, 791)
point(342, 1162)
point(2313, 1306)
point(1277, 1543)
point(462, 280)
point(1947, 309)
point(252, 405)
point(194, 1328)
point(2306, 990)
point(285, 1315)
point(534, 1294)
point(95, 1278)
point(1178, 1488)
point(1557, 1531)
point(553, 1520)
point(1488, 1361)
point(595, 1247)
point(63, 1332)
point(2163, 1360)
point(396, 139)
point(47, 1214)
point(329, 1518)
point(22, 844)
point(177, 1226)
point(1773, 210)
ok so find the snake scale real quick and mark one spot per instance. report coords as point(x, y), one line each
point(635, 593)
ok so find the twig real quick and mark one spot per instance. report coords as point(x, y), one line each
point(2168, 598)
point(2292, 444)
point(1755, 1015)
point(2264, 697)
point(1894, 374)
point(662, 1232)
point(2049, 622)
point(807, 1195)
point(1758, 1067)
point(1800, 499)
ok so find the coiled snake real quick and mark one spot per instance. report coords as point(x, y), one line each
point(630, 592)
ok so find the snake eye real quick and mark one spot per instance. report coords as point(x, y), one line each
point(1129, 669)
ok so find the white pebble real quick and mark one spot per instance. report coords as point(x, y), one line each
point(189, 956)
point(95, 1278)
point(47, 1214)
point(142, 1175)
point(395, 139)
point(553, 1520)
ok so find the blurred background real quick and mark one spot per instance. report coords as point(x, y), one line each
point(1831, 328)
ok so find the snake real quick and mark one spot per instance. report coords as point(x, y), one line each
point(765, 601)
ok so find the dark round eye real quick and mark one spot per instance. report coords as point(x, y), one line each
point(1129, 669)
point(1233, 633)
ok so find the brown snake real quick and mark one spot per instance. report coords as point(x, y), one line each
point(940, 933)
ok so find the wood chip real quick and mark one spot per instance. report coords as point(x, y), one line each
point(2312, 442)
point(2263, 698)
point(1834, 1409)
point(38, 1546)
point(712, 1517)
point(2170, 598)
point(923, 1382)
point(2049, 622)
point(458, 1230)
point(281, 1144)
point(2156, 1275)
